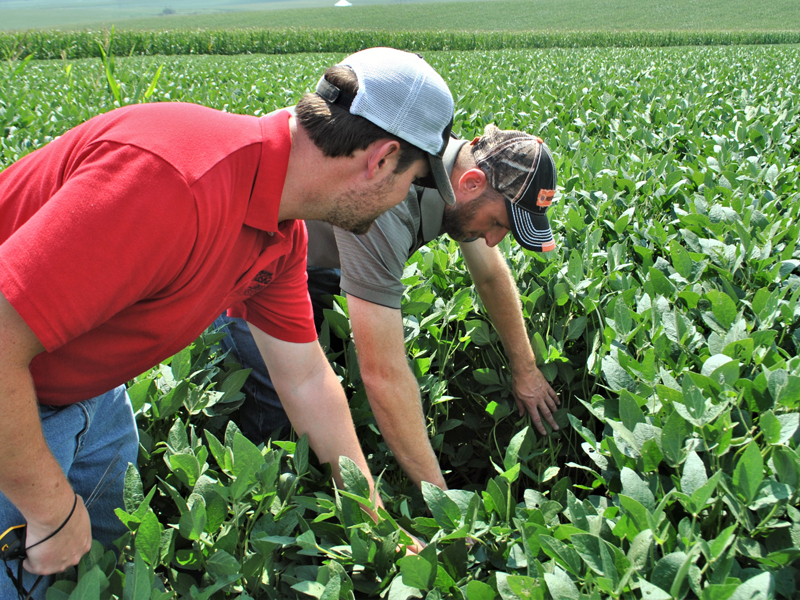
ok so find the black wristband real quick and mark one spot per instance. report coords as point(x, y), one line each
point(60, 527)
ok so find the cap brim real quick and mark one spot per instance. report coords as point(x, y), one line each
point(442, 180)
point(531, 229)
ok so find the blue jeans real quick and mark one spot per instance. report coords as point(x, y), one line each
point(85, 438)
point(262, 414)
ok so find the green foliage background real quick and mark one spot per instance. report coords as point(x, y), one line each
point(667, 320)
point(470, 15)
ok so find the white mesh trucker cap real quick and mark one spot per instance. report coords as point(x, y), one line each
point(402, 94)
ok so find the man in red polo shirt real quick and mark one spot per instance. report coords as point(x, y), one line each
point(123, 239)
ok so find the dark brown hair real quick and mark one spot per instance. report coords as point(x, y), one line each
point(337, 132)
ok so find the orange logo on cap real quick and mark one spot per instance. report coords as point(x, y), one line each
point(545, 197)
point(547, 247)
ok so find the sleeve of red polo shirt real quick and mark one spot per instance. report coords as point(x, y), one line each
point(283, 308)
point(118, 230)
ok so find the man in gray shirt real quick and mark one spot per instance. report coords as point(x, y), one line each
point(503, 181)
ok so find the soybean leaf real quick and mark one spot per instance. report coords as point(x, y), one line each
point(137, 580)
point(419, 570)
point(635, 487)
point(444, 510)
point(559, 585)
point(477, 590)
point(694, 474)
point(148, 538)
point(749, 473)
point(354, 480)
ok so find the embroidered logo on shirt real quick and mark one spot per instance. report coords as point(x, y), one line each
point(260, 281)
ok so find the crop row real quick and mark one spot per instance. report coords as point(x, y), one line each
point(86, 44)
point(667, 320)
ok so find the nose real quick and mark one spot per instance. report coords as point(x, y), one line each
point(495, 236)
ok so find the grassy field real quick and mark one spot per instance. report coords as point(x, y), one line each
point(490, 15)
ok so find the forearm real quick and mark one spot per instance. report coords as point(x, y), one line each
point(395, 402)
point(314, 400)
point(501, 300)
point(30, 477)
point(318, 408)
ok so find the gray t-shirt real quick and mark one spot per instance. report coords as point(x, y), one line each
point(372, 264)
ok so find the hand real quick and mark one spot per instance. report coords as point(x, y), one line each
point(65, 548)
point(416, 546)
point(533, 393)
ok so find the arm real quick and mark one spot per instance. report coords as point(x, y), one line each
point(314, 400)
point(30, 477)
point(392, 389)
point(499, 295)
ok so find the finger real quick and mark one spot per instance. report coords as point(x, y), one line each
point(554, 395)
point(551, 420)
point(537, 422)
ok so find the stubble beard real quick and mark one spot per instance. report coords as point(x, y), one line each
point(457, 219)
point(356, 211)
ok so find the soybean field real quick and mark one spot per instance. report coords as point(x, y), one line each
point(666, 319)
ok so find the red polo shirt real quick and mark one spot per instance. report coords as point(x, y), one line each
point(123, 239)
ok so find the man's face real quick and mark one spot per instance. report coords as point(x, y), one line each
point(482, 217)
point(356, 210)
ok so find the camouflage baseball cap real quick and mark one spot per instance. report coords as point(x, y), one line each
point(521, 168)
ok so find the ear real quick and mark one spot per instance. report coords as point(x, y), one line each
point(382, 157)
point(471, 184)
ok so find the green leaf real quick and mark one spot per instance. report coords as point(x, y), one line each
point(722, 541)
point(564, 555)
point(477, 590)
point(91, 584)
point(523, 587)
point(133, 495)
point(629, 410)
point(222, 564)
point(771, 427)
point(559, 585)
point(595, 553)
point(749, 473)
point(181, 364)
point(661, 285)
point(444, 510)
point(148, 538)
point(719, 591)
point(419, 570)
point(723, 307)
point(514, 447)
point(301, 455)
point(617, 377)
point(760, 587)
point(639, 550)
point(675, 431)
point(246, 455)
point(651, 456)
point(635, 487)
point(681, 260)
point(400, 591)
point(309, 588)
point(354, 480)
point(138, 580)
point(701, 496)
point(790, 422)
point(652, 592)
point(193, 521)
point(665, 573)
point(332, 589)
point(694, 474)
point(177, 440)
